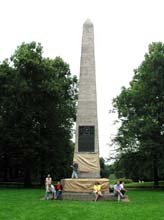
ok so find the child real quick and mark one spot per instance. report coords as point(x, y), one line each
point(97, 190)
point(58, 188)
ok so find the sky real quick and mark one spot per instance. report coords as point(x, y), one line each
point(123, 29)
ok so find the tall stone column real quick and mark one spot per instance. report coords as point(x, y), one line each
point(86, 152)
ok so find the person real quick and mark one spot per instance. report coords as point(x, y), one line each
point(48, 180)
point(117, 191)
point(75, 170)
point(58, 188)
point(50, 189)
point(123, 190)
point(97, 190)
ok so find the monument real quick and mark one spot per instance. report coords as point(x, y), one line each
point(86, 152)
point(86, 140)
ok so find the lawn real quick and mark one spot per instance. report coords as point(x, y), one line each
point(20, 204)
point(143, 185)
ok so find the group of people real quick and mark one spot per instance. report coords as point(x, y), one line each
point(53, 192)
point(119, 190)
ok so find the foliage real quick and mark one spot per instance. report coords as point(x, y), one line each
point(129, 165)
point(105, 169)
point(140, 110)
point(37, 110)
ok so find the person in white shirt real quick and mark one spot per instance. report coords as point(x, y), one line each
point(48, 180)
point(49, 188)
point(117, 191)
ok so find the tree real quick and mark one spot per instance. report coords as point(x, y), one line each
point(38, 108)
point(105, 169)
point(140, 110)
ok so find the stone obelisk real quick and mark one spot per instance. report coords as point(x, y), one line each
point(86, 152)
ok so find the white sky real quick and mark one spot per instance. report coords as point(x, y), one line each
point(123, 31)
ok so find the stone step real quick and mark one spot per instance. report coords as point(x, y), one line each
point(90, 197)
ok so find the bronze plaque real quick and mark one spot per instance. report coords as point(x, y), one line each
point(86, 140)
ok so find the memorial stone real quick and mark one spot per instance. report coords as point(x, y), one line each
point(86, 140)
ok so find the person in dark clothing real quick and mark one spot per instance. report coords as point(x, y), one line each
point(75, 170)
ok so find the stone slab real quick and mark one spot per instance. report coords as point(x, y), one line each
point(84, 185)
point(90, 197)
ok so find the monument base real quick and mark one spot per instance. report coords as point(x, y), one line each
point(84, 185)
point(90, 197)
point(82, 189)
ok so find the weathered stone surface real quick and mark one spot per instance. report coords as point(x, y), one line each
point(87, 109)
point(90, 197)
point(84, 185)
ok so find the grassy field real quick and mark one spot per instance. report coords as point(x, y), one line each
point(144, 184)
point(23, 204)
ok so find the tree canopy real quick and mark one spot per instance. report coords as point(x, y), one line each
point(37, 111)
point(140, 110)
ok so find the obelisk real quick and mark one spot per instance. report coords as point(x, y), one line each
point(86, 152)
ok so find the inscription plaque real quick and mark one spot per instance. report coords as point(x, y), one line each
point(86, 139)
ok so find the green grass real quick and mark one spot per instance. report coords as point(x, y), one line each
point(139, 185)
point(145, 184)
point(23, 204)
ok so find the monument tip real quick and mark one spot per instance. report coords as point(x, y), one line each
point(88, 22)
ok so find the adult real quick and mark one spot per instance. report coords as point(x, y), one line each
point(50, 189)
point(123, 190)
point(117, 191)
point(75, 170)
point(97, 190)
point(48, 180)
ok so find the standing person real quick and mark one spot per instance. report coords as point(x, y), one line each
point(48, 180)
point(123, 190)
point(58, 188)
point(117, 191)
point(75, 170)
point(97, 190)
point(49, 187)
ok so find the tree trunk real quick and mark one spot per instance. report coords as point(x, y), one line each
point(27, 175)
point(5, 169)
point(155, 171)
point(42, 173)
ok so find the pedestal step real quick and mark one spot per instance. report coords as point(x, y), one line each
point(90, 197)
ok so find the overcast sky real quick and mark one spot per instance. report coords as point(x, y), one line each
point(123, 31)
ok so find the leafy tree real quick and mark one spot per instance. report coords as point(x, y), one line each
point(105, 170)
point(38, 106)
point(140, 110)
point(133, 165)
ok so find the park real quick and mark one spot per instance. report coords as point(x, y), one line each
point(18, 204)
point(50, 135)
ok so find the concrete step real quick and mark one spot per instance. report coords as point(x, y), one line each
point(90, 197)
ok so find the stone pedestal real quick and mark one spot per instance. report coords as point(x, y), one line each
point(82, 190)
point(84, 185)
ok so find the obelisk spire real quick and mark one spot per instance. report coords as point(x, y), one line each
point(87, 144)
